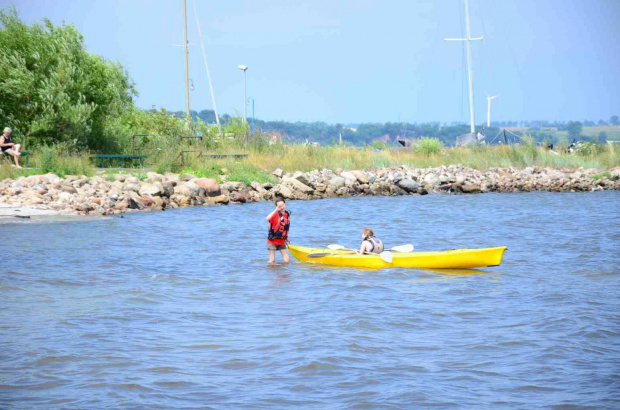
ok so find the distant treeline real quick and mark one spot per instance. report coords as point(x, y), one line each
point(391, 132)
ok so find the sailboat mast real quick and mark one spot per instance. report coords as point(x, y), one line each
point(468, 39)
point(186, 58)
point(469, 74)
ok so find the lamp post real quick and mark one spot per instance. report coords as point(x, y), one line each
point(244, 68)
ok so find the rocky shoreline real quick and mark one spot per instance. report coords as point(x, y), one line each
point(75, 195)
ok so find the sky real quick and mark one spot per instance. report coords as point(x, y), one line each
point(353, 61)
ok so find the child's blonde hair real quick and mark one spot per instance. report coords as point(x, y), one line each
point(368, 232)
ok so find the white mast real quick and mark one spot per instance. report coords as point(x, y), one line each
point(204, 55)
point(186, 58)
point(468, 39)
point(489, 110)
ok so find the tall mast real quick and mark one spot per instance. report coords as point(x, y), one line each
point(468, 39)
point(204, 55)
point(186, 58)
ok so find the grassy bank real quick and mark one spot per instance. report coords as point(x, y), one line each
point(263, 158)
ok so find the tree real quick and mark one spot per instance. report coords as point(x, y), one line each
point(53, 91)
point(574, 130)
point(602, 137)
point(614, 120)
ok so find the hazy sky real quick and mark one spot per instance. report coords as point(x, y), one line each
point(361, 60)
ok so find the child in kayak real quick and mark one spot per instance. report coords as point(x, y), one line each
point(279, 222)
point(370, 244)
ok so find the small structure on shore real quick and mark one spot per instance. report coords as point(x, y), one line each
point(470, 139)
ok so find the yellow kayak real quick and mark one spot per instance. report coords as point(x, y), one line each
point(454, 259)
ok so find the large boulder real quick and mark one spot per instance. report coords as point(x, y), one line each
point(282, 191)
point(211, 187)
point(154, 177)
point(408, 185)
point(361, 176)
point(68, 188)
point(470, 188)
point(278, 172)
point(183, 190)
point(336, 183)
point(298, 185)
point(220, 199)
point(257, 187)
point(150, 190)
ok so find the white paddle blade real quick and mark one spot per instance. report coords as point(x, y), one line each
point(335, 247)
point(386, 256)
point(403, 248)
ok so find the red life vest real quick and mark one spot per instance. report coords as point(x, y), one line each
point(279, 230)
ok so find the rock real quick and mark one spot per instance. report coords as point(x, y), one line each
point(220, 199)
point(408, 185)
point(211, 187)
point(278, 172)
point(470, 188)
point(79, 182)
point(282, 191)
point(430, 179)
point(195, 188)
point(305, 178)
point(158, 203)
point(154, 177)
point(134, 204)
point(267, 185)
point(298, 185)
point(150, 190)
point(147, 200)
point(361, 176)
point(64, 196)
point(68, 188)
point(232, 186)
point(131, 187)
point(183, 191)
point(240, 196)
point(122, 205)
point(257, 187)
point(337, 182)
point(167, 188)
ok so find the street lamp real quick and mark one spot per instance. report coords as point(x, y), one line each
point(244, 68)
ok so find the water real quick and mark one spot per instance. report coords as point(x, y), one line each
point(180, 310)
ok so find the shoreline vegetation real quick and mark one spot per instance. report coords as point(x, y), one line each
point(222, 182)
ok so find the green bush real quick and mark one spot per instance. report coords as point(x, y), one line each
point(428, 146)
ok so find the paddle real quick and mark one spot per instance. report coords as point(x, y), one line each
point(385, 255)
point(400, 249)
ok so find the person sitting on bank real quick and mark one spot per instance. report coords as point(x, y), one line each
point(279, 223)
point(370, 243)
point(7, 145)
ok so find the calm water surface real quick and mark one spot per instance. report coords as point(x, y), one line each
point(180, 310)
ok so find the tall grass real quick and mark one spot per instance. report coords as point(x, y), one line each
point(48, 159)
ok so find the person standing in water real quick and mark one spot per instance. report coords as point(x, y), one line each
point(370, 243)
point(279, 223)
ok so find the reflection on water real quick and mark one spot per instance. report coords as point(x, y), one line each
point(181, 309)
